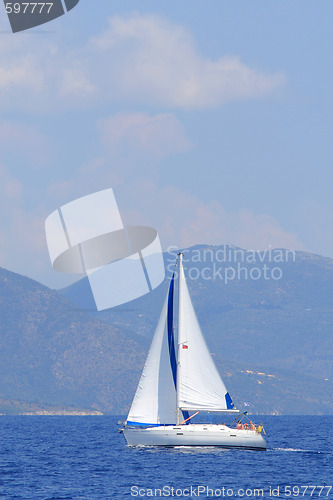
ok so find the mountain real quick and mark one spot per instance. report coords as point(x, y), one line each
point(51, 353)
point(267, 318)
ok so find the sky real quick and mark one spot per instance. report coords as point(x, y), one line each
point(210, 119)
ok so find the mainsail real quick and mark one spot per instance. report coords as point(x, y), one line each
point(155, 398)
point(200, 386)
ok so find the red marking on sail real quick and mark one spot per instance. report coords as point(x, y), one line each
point(185, 346)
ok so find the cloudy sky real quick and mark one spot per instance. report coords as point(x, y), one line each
point(211, 119)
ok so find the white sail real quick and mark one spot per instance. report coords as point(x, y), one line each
point(155, 398)
point(199, 386)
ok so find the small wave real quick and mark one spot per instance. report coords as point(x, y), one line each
point(296, 450)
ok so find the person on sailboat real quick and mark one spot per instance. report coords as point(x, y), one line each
point(261, 429)
point(252, 426)
point(239, 425)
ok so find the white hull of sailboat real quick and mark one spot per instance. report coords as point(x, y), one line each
point(195, 435)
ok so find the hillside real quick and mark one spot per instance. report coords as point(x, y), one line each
point(271, 338)
point(54, 354)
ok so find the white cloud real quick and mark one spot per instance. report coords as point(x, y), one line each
point(74, 82)
point(212, 223)
point(132, 145)
point(182, 219)
point(153, 60)
point(138, 59)
point(159, 136)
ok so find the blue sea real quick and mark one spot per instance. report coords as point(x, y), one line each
point(84, 457)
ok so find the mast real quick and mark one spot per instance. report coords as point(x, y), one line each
point(180, 270)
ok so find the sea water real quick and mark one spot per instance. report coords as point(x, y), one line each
point(84, 457)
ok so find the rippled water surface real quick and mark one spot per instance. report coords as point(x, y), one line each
point(86, 458)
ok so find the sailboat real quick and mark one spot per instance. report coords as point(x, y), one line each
point(172, 386)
